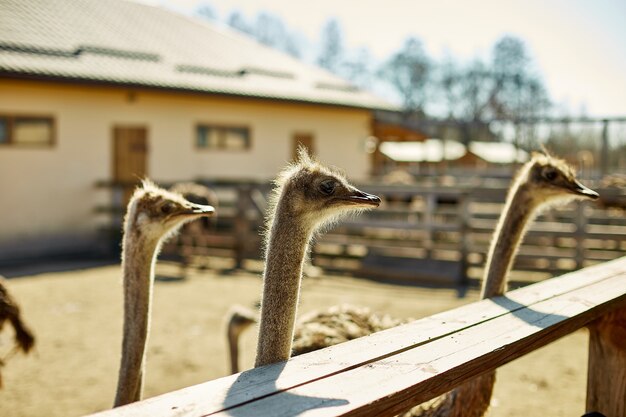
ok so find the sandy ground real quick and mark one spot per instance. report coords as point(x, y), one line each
point(77, 317)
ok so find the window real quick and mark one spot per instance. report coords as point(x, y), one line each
point(26, 130)
point(222, 137)
point(4, 131)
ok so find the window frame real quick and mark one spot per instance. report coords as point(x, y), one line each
point(222, 127)
point(13, 118)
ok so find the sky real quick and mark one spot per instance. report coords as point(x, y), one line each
point(578, 46)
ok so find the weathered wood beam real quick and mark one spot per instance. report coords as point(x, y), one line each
point(399, 381)
point(606, 378)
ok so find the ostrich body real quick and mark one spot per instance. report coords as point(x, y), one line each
point(338, 324)
point(540, 183)
point(10, 311)
point(152, 214)
point(307, 197)
point(314, 330)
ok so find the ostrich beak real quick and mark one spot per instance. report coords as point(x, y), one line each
point(584, 191)
point(361, 198)
point(198, 210)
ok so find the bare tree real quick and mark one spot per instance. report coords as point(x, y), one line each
point(206, 11)
point(269, 30)
point(358, 67)
point(509, 68)
point(519, 93)
point(449, 85)
point(477, 91)
point(510, 56)
point(238, 22)
point(331, 44)
point(408, 71)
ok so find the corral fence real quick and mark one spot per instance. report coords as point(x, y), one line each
point(420, 234)
point(390, 371)
point(441, 235)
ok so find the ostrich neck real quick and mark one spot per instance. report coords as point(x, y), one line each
point(138, 268)
point(287, 248)
point(232, 337)
point(472, 398)
point(519, 210)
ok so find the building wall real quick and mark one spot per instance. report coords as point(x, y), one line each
point(48, 194)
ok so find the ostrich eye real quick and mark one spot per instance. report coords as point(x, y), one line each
point(328, 187)
point(167, 208)
point(550, 174)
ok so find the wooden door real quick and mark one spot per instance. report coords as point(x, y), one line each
point(304, 139)
point(130, 157)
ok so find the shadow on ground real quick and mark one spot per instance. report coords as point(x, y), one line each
point(43, 266)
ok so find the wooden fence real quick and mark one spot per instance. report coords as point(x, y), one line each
point(390, 371)
point(424, 235)
point(442, 236)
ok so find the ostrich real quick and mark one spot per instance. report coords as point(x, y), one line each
point(540, 183)
point(152, 215)
point(307, 197)
point(10, 311)
point(238, 319)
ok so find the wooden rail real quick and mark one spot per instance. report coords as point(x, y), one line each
point(390, 371)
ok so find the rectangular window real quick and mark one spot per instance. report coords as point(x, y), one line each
point(4, 130)
point(26, 130)
point(222, 137)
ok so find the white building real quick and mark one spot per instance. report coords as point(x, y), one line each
point(110, 90)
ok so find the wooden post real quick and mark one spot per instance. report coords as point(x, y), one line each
point(241, 225)
point(429, 223)
point(606, 376)
point(581, 229)
point(604, 153)
point(464, 236)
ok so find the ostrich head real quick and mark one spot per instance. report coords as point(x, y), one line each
point(549, 179)
point(316, 195)
point(153, 212)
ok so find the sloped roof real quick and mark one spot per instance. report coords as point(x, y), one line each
point(499, 152)
point(430, 150)
point(434, 150)
point(122, 42)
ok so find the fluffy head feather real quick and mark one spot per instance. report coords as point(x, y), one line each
point(314, 194)
point(549, 179)
point(154, 212)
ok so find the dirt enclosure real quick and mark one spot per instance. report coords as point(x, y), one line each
point(77, 318)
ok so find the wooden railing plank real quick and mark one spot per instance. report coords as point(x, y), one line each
point(419, 374)
point(340, 359)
